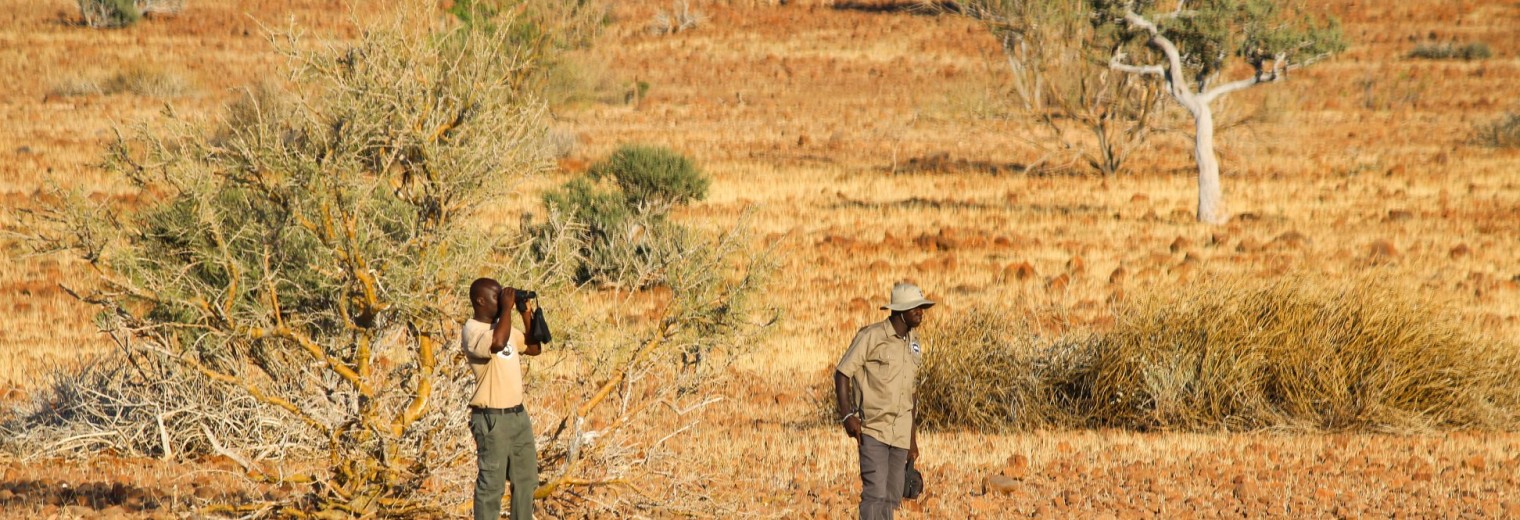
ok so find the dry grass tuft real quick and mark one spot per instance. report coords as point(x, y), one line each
point(1232, 355)
point(1502, 133)
point(147, 81)
point(1299, 353)
point(988, 370)
point(139, 80)
point(1449, 51)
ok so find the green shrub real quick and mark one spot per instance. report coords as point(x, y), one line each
point(653, 177)
point(1448, 51)
point(622, 203)
point(1238, 355)
point(1503, 133)
point(599, 206)
point(107, 14)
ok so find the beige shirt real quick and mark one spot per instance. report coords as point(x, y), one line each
point(498, 377)
point(883, 368)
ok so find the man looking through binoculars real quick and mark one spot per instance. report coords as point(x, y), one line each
point(503, 433)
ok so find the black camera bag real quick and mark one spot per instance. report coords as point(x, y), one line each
point(538, 330)
point(913, 482)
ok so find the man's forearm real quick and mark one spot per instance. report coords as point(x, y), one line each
point(503, 330)
point(913, 432)
point(842, 394)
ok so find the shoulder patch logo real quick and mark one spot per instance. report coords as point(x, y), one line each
point(916, 348)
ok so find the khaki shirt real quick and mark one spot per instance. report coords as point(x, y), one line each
point(498, 377)
point(883, 368)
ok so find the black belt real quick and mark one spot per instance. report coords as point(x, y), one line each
point(497, 411)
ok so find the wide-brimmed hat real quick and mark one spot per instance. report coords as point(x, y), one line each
point(906, 297)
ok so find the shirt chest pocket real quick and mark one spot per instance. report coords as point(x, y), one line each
point(887, 366)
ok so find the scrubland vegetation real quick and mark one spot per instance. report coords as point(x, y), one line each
point(1287, 354)
point(711, 198)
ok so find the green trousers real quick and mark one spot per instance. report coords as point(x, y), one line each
point(505, 448)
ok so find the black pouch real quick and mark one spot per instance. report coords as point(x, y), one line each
point(913, 482)
point(538, 331)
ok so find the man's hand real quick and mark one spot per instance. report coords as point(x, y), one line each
point(505, 302)
point(531, 346)
point(913, 453)
point(852, 426)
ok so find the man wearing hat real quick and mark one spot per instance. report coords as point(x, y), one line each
point(873, 385)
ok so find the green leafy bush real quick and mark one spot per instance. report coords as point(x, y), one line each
point(111, 14)
point(622, 202)
point(107, 14)
point(653, 177)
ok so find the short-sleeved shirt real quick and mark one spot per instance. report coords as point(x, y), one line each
point(498, 377)
point(884, 367)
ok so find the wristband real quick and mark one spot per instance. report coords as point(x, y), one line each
point(848, 415)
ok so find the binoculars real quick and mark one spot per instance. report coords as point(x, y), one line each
point(523, 295)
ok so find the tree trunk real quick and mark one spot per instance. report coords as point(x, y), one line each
point(1210, 193)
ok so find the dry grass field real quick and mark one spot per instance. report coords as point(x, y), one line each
point(869, 142)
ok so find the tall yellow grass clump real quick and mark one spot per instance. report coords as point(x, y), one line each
point(987, 370)
point(1230, 354)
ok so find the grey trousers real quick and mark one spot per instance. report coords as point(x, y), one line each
point(882, 470)
point(505, 448)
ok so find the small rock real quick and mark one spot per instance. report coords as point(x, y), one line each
point(1460, 251)
point(1017, 468)
point(1076, 266)
point(1382, 249)
point(1020, 271)
point(1117, 277)
point(1292, 240)
point(1180, 244)
point(1058, 283)
point(999, 484)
